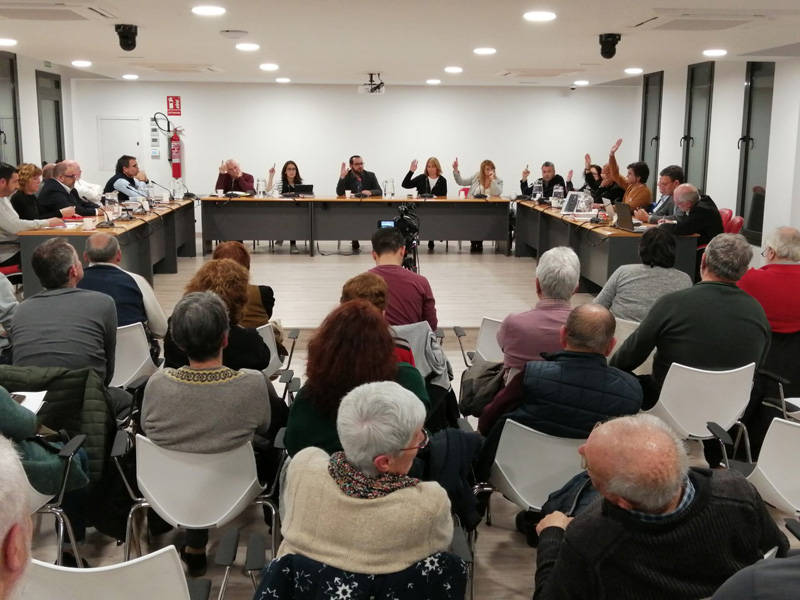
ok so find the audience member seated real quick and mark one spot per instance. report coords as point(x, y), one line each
point(358, 510)
point(637, 194)
point(44, 468)
point(128, 181)
point(135, 299)
point(260, 298)
point(525, 336)
point(661, 531)
point(205, 407)
point(410, 296)
point(549, 180)
point(16, 527)
point(566, 394)
point(244, 348)
point(765, 580)
point(483, 183)
point(63, 326)
point(231, 178)
point(10, 222)
point(372, 288)
point(632, 290)
point(59, 192)
point(24, 199)
point(669, 179)
point(353, 346)
point(713, 325)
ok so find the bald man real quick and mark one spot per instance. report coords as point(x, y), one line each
point(15, 523)
point(660, 531)
point(232, 179)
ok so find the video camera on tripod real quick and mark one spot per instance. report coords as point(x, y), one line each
point(407, 223)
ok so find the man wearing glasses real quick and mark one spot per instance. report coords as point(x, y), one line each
point(59, 191)
point(357, 181)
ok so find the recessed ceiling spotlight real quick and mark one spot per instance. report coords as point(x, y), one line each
point(268, 67)
point(484, 51)
point(634, 71)
point(81, 63)
point(580, 82)
point(208, 11)
point(539, 16)
point(130, 76)
point(283, 80)
point(7, 42)
point(453, 69)
point(433, 81)
point(719, 52)
point(244, 47)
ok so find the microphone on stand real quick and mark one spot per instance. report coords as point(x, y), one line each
point(108, 223)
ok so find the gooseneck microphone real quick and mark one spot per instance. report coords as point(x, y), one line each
point(171, 197)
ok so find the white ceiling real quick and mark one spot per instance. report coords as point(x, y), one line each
point(340, 41)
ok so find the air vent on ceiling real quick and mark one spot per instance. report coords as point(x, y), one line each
point(536, 73)
point(707, 19)
point(178, 67)
point(55, 11)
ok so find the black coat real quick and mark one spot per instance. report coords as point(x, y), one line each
point(422, 185)
point(368, 183)
point(53, 197)
point(703, 219)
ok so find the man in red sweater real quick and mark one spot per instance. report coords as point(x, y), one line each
point(410, 295)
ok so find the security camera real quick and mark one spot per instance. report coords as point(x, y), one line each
point(573, 88)
point(127, 36)
point(608, 44)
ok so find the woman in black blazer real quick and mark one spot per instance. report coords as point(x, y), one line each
point(431, 182)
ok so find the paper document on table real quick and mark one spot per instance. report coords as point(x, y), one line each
point(31, 400)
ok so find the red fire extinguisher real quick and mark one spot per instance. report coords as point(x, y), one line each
point(175, 154)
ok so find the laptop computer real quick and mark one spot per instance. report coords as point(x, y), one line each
point(625, 219)
point(303, 189)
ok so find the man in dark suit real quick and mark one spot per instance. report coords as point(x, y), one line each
point(358, 181)
point(669, 179)
point(59, 192)
point(702, 215)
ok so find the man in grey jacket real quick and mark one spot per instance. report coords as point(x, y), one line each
point(670, 178)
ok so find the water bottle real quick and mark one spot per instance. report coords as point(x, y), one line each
point(385, 188)
point(150, 191)
point(391, 183)
point(261, 188)
point(558, 194)
point(537, 189)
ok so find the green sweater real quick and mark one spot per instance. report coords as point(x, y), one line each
point(306, 427)
point(712, 326)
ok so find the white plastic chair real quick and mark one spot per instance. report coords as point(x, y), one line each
point(157, 576)
point(530, 465)
point(197, 491)
point(691, 398)
point(268, 335)
point(133, 359)
point(775, 473)
point(487, 347)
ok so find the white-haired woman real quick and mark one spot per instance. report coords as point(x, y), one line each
point(330, 499)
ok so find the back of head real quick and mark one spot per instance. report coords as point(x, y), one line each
point(352, 346)
point(199, 323)
point(785, 243)
point(657, 247)
point(674, 172)
point(52, 261)
point(47, 171)
point(123, 162)
point(236, 251)
point(590, 328)
point(226, 278)
point(366, 286)
point(728, 256)
point(377, 418)
point(641, 460)
point(14, 510)
point(686, 192)
point(101, 248)
point(558, 272)
point(387, 240)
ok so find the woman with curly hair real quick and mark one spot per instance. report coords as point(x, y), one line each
point(260, 298)
point(353, 346)
point(24, 199)
point(243, 348)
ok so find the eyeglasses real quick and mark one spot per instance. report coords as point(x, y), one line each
point(70, 176)
point(426, 437)
point(764, 251)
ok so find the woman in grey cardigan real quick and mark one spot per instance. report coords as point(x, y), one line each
point(484, 183)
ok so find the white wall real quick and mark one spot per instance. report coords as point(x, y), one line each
point(321, 126)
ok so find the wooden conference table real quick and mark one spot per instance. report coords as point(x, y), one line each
point(150, 243)
point(602, 249)
point(332, 219)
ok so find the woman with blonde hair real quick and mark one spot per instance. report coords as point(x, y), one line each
point(484, 183)
point(243, 348)
point(431, 182)
point(24, 199)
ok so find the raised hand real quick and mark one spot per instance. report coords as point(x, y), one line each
point(615, 147)
point(455, 164)
point(344, 171)
point(413, 166)
point(525, 172)
point(587, 161)
point(569, 175)
point(272, 170)
point(222, 168)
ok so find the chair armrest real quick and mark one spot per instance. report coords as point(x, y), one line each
point(294, 387)
point(121, 444)
point(286, 376)
point(199, 589)
point(774, 377)
point(439, 333)
point(793, 525)
point(138, 382)
point(293, 334)
point(278, 443)
point(464, 425)
point(256, 553)
point(718, 432)
point(460, 545)
point(459, 331)
point(227, 547)
point(72, 446)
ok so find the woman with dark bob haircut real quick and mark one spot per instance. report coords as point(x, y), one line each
point(245, 348)
point(260, 298)
point(633, 289)
point(353, 346)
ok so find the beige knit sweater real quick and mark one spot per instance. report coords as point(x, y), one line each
point(378, 536)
